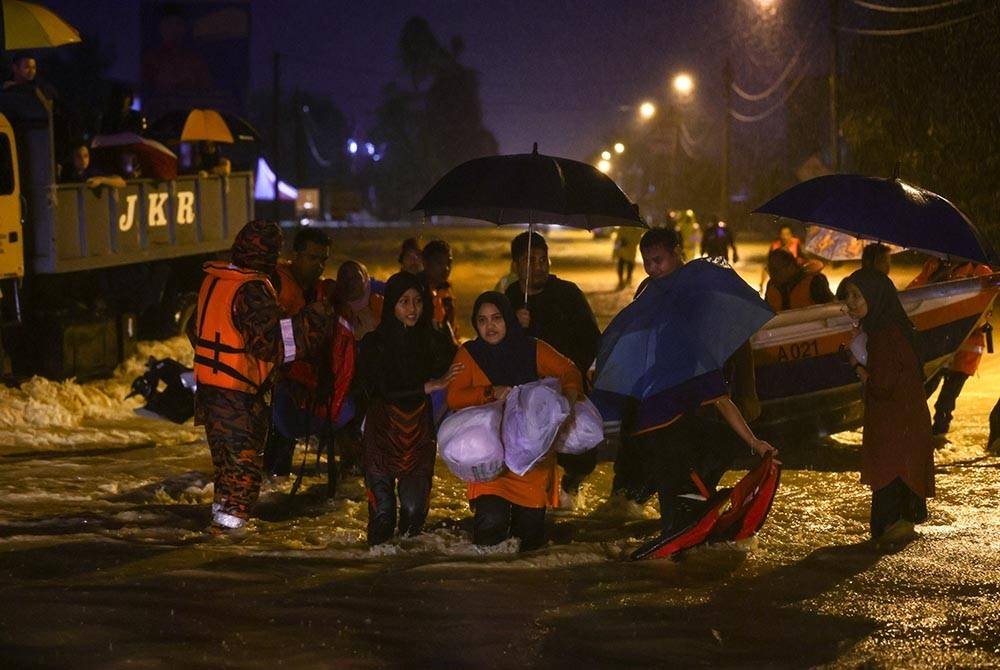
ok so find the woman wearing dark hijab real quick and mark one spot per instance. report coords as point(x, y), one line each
point(897, 451)
point(501, 357)
point(400, 363)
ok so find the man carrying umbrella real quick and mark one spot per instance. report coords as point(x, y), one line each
point(671, 443)
point(558, 313)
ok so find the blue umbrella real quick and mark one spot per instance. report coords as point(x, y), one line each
point(665, 350)
point(886, 210)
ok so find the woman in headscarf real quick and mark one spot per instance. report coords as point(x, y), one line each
point(897, 451)
point(501, 357)
point(400, 363)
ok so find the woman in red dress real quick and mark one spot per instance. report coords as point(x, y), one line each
point(897, 451)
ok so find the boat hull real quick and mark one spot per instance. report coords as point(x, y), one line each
point(805, 386)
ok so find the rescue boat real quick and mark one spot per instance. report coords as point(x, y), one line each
point(804, 384)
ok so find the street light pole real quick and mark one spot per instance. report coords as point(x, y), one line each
point(727, 82)
point(276, 131)
point(834, 66)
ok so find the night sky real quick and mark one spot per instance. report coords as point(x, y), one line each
point(557, 72)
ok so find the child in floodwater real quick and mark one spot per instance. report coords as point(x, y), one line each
point(897, 451)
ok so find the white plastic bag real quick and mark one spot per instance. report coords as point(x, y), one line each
point(469, 442)
point(585, 431)
point(859, 347)
point(532, 416)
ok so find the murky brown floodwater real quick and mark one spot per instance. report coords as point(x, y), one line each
point(105, 562)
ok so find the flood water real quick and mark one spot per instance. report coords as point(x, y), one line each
point(106, 562)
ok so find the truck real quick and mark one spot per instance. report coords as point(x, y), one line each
point(86, 272)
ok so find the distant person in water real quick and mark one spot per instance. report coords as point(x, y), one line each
point(411, 257)
point(965, 362)
point(786, 241)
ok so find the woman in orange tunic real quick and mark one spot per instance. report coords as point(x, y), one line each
point(501, 357)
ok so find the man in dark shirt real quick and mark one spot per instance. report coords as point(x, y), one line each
point(558, 313)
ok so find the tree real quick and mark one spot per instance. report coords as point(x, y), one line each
point(927, 103)
point(428, 130)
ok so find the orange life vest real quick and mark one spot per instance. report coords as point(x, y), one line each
point(966, 359)
point(291, 299)
point(220, 356)
point(792, 248)
point(799, 296)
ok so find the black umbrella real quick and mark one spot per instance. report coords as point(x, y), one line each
point(886, 210)
point(531, 188)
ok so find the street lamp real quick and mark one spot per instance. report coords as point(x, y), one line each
point(683, 84)
point(619, 148)
point(604, 165)
point(647, 110)
point(606, 155)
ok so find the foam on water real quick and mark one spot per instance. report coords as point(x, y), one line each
point(44, 414)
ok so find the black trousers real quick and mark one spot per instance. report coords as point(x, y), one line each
point(576, 467)
point(662, 462)
point(893, 503)
point(951, 387)
point(994, 429)
point(497, 519)
point(414, 502)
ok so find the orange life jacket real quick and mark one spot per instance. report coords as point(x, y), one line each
point(792, 248)
point(966, 359)
point(220, 356)
point(291, 299)
point(799, 296)
point(439, 296)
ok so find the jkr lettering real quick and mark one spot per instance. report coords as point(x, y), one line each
point(156, 211)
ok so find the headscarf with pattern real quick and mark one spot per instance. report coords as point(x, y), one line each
point(257, 246)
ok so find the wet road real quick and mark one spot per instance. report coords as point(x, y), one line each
point(105, 562)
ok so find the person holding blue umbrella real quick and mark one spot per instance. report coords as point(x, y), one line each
point(662, 362)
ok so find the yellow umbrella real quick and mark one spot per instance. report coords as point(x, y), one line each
point(206, 124)
point(30, 26)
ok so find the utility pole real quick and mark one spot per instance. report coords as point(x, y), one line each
point(276, 128)
point(834, 67)
point(727, 82)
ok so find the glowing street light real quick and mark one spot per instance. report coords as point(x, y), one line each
point(647, 110)
point(606, 155)
point(619, 148)
point(767, 7)
point(604, 165)
point(683, 84)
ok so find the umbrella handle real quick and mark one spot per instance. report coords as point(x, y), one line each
point(527, 262)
